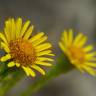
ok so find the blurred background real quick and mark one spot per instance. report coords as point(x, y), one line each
point(52, 17)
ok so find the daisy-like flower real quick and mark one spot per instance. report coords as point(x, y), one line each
point(80, 55)
point(24, 50)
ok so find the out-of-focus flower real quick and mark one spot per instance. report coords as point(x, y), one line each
point(80, 55)
point(24, 50)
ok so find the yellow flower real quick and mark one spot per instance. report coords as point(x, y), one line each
point(81, 56)
point(22, 49)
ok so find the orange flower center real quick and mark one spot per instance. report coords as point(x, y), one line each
point(22, 52)
point(77, 55)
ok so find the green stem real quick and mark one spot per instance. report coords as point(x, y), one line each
point(9, 78)
point(63, 66)
point(9, 81)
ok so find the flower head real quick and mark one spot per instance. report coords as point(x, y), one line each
point(80, 55)
point(24, 50)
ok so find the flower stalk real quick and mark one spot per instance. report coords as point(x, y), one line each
point(63, 66)
point(9, 81)
point(8, 78)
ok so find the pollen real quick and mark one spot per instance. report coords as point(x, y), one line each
point(77, 55)
point(22, 52)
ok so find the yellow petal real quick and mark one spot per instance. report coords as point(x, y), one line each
point(8, 29)
point(29, 32)
point(36, 37)
point(62, 47)
point(88, 48)
point(90, 64)
point(40, 41)
point(44, 59)
point(18, 64)
point(23, 30)
point(7, 35)
point(65, 37)
point(3, 45)
point(3, 38)
point(44, 52)
point(79, 68)
point(92, 59)
point(82, 41)
point(13, 33)
point(89, 70)
point(78, 39)
point(38, 69)
point(18, 27)
point(90, 55)
point(51, 54)
point(11, 64)
point(31, 72)
point(26, 70)
point(5, 58)
point(43, 63)
point(43, 47)
point(70, 39)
